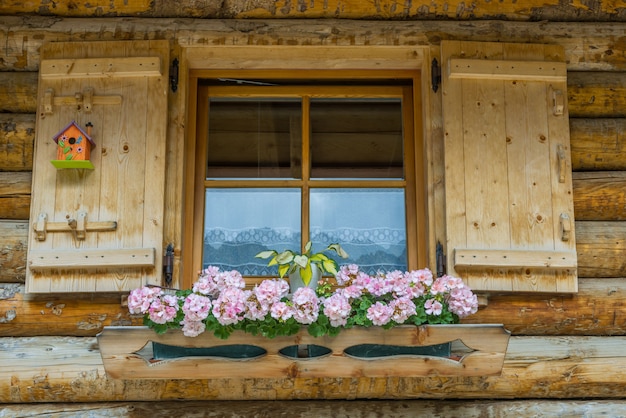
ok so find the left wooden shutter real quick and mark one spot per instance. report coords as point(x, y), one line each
point(100, 229)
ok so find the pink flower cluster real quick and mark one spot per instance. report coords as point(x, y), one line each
point(392, 297)
point(399, 289)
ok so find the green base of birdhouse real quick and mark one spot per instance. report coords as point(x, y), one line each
point(72, 164)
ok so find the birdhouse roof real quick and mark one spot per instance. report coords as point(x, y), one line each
point(73, 123)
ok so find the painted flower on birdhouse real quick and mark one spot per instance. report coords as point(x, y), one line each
point(73, 147)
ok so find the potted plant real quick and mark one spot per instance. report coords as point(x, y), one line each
point(304, 267)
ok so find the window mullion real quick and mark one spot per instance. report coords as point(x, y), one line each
point(306, 167)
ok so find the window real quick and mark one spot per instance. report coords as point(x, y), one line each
point(292, 160)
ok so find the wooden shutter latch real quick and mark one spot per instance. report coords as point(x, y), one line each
point(566, 226)
point(558, 102)
point(77, 226)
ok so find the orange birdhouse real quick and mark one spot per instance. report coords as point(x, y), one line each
point(73, 147)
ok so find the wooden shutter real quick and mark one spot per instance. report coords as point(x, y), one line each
point(100, 229)
point(508, 180)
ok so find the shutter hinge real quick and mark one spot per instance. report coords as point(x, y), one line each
point(168, 265)
point(174, 75)
point(435, 74)
point(441, 260)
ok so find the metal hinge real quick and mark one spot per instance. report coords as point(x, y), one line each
point(168, 265)
point(435, 74)
point(174, 75)
point(441, 260)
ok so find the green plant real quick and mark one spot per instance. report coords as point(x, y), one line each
point(288, 261)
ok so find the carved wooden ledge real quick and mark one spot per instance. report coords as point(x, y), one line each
point(475, 350)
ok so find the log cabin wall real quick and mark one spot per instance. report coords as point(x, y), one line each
point(562, 346)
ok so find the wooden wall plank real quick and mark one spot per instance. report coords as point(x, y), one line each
point(13, 251)
point(598, 144)
point(17, 135)
point(601, 247)
point(534, 10)
point(587, 45)
point(600, 196)
point(330, 409)
point(567, 367)
point(19, 92)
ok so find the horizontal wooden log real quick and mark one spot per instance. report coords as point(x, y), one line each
point(15, 184)
point(599, 196)
point(79, 315)
point(588, 46)
point(19, 92)
point(598, 144)
point(597, 309)
point(13, 251)
point(343, 9)
point(17, 135)
point(601, 249)
point(596, 94)
point(15, 207)
point(64, 369)
point(15, 190)
point(328, 409)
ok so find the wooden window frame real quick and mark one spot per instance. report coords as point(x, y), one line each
point(360, 63)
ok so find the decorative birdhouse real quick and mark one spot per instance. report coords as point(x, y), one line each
point(73, 147)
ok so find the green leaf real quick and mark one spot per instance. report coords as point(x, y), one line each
point(282, 270)
point(330, 266)
point(319, 257)
point(285, 257)
point(307, 247)
point(301, 260)
point(316, 330)
point(265, 254)
point(222, 332)
point(306, 274)
point(340, 251)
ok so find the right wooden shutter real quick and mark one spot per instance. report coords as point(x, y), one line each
point(508, 179)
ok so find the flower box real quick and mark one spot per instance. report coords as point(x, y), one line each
point(476, 350)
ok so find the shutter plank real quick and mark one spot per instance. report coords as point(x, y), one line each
point(507, 70)
point(89, 259)
point(98, 67)
point(514, 259)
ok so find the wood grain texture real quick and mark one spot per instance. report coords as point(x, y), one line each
point(344, 9)
point(588, 46)
point(327, 409)
point(598, 144)
point(597, 309)
point(17, 135)
point(487, 345)
point(600, 196)
point(590, 94)
point(65, 369)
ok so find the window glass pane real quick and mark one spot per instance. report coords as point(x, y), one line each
point(239, 223)
point(356, 138)
point(368, 223)
point(254, 138)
